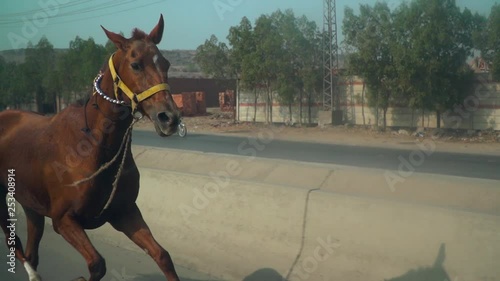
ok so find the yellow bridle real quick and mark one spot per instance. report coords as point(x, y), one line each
point(135, 99)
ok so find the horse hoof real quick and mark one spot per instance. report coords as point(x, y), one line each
point(36, 277)
point(79, 279)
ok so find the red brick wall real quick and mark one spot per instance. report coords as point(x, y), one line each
point(211, 87)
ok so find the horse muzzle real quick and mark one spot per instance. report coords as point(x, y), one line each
point(166, 123)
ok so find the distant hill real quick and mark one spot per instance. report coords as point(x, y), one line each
point(182, 61)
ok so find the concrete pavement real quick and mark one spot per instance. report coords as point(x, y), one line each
point(254, 219)
point(241, 218)
point(60, 262)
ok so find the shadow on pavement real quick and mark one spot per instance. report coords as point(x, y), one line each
point(435, 272)
point(265, 274)
point(161, 277)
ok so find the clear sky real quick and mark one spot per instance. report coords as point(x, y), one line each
point(188, 23)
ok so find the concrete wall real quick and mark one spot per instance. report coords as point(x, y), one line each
point(280, 113)
point(481, 109)
point(243, 218)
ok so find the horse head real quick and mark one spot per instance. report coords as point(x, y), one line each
point(140, 75)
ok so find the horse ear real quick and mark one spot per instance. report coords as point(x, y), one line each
point(157, 32)
point(119, 41)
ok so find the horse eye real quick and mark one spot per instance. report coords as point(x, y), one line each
point(135, 66)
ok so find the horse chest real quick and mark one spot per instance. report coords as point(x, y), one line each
point(127, 185)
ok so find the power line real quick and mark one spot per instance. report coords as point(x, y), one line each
point(110, 13)
point(83, 10)
point(31, 12)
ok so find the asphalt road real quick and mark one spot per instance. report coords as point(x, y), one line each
point(60, 262)
point(421, 159)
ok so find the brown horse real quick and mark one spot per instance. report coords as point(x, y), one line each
point(64, 167)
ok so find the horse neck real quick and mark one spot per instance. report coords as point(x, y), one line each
point(108, 120)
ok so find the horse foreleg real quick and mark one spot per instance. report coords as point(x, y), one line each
point(36, 225)
point(72, 232)
point(11, 238)
point(129, 221)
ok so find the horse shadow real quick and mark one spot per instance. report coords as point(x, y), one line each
point(264, 274)
point(436, 272)
point(161, 277)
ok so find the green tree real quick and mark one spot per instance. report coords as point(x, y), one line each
point(242, 44)
point(41, 61)
point(18, 85)
point(310, 71)
point(300, 62)
point(55, 83)
point(213, 58)
point(371, 34)
point(251, 77)
point(437, 37)
point(280, 55)
point(288, 80)
point(242, 58)
point(80, 65)
point(487, 39)
point(415, 54)
point(4, 83)
point(269, 57)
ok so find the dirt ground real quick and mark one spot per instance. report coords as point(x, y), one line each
point(217, 122)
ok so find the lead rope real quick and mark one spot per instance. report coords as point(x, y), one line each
point(120, 168)
point(125, 142)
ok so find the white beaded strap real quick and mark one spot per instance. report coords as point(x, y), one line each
point(97, 81)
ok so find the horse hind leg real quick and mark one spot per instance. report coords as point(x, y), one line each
point(72, 232)
point(11, 238)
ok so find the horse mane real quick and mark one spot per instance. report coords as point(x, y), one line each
point(138, 34)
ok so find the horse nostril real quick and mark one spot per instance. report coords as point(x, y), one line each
point(176, 120)
point(163, 117)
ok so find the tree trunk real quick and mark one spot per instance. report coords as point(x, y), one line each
point(270, 96)
point(309, 109)
point(55, 105)
point(363, 103)
point(290, 113)
point(237, 109)
point(385, 117)
point(300, 107)
point(255, 105)
point(58, 103)
point(266, 109)
point(377, 118)
point(413, 118)
point(423, 117)
point(438, 117)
